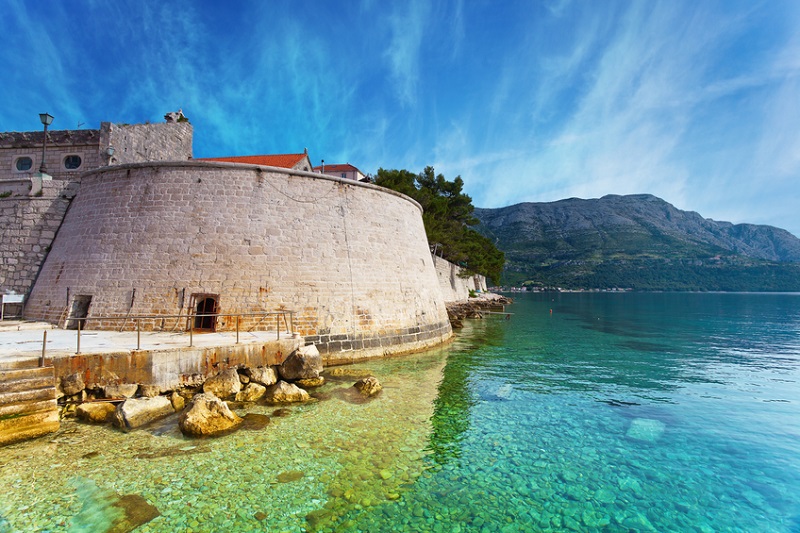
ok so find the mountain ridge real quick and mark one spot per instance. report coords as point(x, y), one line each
point(586, 242)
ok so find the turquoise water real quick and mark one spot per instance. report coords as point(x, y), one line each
point(583, 412)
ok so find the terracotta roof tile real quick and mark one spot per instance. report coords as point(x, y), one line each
point(275, 160)
point(337, 168)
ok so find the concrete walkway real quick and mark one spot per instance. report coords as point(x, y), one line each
point(21, 340)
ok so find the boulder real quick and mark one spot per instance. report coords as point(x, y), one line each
point(368, 386)
point(98, 412)
point(310, 383)
point(178, 401)
point(122, 390)
point(264, 375)
point(72, 384)
point(149, 391)
point(207, 415)
point(304, 363)
point(136, 412)
point(251, 393)
point(283, 392)
point(224, 385)
point(244, 378)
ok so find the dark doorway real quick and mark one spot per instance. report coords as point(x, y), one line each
point(79, 309)
point(206, 305)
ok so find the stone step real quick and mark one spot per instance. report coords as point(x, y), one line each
point(26, 378)
point(18, 364)
point(30, 395)
point(15, 428)
point(27, 407)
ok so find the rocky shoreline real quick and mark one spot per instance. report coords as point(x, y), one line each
point(476, 307)
point(203, 407)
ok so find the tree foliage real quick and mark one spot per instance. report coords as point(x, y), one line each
point(447, 215)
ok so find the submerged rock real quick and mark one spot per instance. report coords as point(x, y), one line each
point(311, 383)
point(224, 385)
point(96, 412)
point(105, 510)
point(368, 386)
point(283, 392)
point(207, 415)
point(304, 363)
point(646, 429)
point(136, 412)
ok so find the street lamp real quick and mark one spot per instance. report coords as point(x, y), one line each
point(46, 119)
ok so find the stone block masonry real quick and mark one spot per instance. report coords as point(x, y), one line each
point(350, 259)
point(29, 226)
point(453, 284)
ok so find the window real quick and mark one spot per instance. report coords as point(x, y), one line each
point(344, 174)
point(71, 162)
point(23, 163)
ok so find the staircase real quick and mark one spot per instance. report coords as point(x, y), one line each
point(28, 406)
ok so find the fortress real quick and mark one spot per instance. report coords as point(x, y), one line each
point(128, 224)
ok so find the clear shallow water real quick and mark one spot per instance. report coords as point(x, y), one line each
point(615, 412)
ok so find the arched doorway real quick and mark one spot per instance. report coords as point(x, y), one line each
point(206, 305)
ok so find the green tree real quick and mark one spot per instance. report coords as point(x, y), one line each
point(447, 215)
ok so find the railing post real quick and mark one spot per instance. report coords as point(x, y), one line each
point(44, 345)
point(237, 328)
point(191, 328)
point(278, 325)
point(291, 322)
point(138, 334)
point(79, 336)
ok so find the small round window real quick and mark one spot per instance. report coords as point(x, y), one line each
point(71, 162)
point(24, 163)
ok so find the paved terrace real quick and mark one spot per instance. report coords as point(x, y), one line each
point(165, 359)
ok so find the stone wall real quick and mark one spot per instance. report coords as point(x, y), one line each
point(138, 143)
point(60, 144)
point(29, 224)
point(454, 287)
point(350, 259)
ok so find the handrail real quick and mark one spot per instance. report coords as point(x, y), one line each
point(190, 321)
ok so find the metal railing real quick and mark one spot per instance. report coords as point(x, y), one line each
point(191, 320)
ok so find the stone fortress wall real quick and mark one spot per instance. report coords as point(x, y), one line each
point(351, 259)
point(32, 208)
point(454, 286)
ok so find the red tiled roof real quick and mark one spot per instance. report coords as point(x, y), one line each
point(337, 168)
point(275, 160)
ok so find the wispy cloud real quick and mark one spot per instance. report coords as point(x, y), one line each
point(406, 26)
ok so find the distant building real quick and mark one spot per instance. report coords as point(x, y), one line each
point(290, 161)
point(346, 171)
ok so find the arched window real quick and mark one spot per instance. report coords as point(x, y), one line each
point(23, 163)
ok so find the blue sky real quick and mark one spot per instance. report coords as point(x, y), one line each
point(695, 102)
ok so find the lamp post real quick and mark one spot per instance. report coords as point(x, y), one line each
point(46, 119)
point(323, 167)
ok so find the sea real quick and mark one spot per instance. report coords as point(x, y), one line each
point(630, 412)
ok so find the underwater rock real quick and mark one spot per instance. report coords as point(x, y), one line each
point(207, 415)
point(263, 375)
point(136, 412)
point(97, 412)
point(368, 386)
point(254, 421)
point(283, 392)
point(281, 412)
point(289, 476)
point(251, 393)
point(311, 383)
point(646, 429)
point(303, 363)
point(72, 384)
point(122, 390)
point(103, 510)
point(224, 385)
point(348, 371)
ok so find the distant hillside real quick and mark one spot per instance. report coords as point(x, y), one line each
point(640, 242)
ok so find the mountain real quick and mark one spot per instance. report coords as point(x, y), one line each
point(640, 242)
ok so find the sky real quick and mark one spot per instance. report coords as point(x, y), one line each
point(528, 101)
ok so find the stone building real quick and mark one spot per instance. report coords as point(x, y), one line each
point(145, 230)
